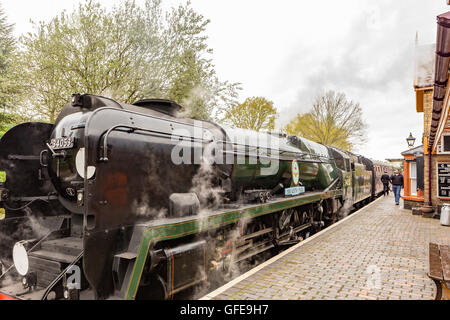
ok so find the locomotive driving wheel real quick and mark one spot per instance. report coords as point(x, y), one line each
point(152, 288)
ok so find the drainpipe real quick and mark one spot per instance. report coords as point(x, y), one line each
point(428, 209)
point(430, 204)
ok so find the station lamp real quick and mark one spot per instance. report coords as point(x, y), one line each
point(410, 140)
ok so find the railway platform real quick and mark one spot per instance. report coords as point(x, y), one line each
point(377, 253)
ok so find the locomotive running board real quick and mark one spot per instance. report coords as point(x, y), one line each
point(147, 235)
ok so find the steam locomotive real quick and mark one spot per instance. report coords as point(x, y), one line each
point(119, 201)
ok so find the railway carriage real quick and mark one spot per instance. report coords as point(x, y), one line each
point(133, 202)
point(379, 169)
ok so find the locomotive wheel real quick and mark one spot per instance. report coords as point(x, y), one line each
point(154, 289)
point(262, 197)
point(317, 226)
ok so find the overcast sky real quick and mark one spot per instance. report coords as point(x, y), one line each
point(290, 51)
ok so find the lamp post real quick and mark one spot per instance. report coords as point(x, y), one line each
point(410, 140)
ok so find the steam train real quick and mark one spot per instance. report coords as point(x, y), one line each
point(119, 201)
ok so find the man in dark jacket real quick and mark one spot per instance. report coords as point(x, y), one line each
point(385, 179)
point(397, 185)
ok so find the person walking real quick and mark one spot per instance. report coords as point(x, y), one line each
point(385, 179)
point(397, 185)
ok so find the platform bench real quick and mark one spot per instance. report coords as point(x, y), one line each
point(440, 270)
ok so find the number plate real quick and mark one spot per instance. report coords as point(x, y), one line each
point(62, 143)
point(294, 191)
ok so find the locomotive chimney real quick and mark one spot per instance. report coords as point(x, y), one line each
point(164, 106)
point(81, 100)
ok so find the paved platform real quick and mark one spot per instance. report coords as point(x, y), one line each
point(379, 252)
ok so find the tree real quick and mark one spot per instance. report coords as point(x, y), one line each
point(187, 86)
point(7, 41)
point(9, 88)
point(127, 53)
point(7, 121)
point(333, 121)
point(254, 113)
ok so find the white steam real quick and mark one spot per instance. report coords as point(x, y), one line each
point(142, 209)
point(204, 182)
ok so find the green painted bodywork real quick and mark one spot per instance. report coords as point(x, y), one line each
point(362, 183)
point(347, 185)
point(268, 160)
point(313, 175)
point(170, 230)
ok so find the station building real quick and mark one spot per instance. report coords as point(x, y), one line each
point(432, 90)
point(413, 171)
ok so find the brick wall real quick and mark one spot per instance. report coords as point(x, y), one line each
point(427, 107)
point(409, 204)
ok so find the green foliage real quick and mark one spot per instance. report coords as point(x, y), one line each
point(7, 121)
point(333, 121)
point(7, 41)
point(9, 88)
point(127, 53)
point(254, 113)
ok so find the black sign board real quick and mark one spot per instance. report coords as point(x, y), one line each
point(443, 173)
point(420, 167)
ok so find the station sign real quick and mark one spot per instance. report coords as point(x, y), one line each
point(443, 177)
